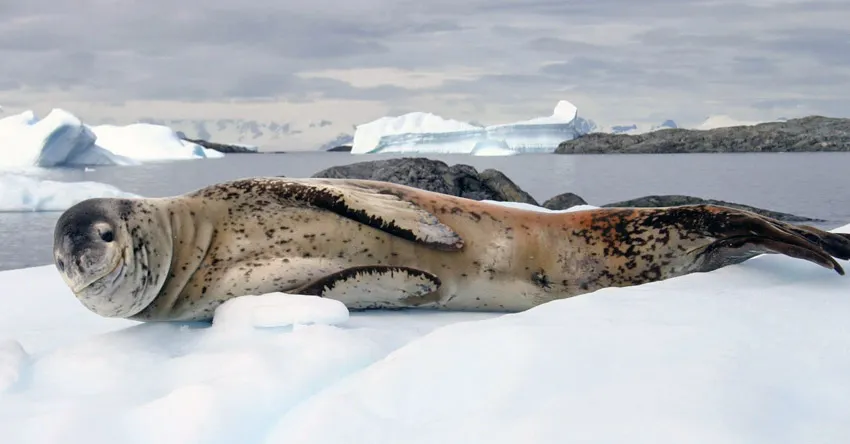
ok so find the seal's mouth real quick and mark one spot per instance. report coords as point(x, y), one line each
point(113, 273)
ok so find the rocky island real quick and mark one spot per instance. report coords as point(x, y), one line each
point(434, 175)
point(220, 147)
point(813, 133)
point(465, 181)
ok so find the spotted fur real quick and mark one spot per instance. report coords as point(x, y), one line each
point(339, 237)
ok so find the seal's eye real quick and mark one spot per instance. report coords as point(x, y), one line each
point(107, 235)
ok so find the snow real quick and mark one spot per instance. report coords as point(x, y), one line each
point(62, 139)
point(279, 310)
point(19, 193)
point(757, 353)
point(421, 132)
point(724, 121)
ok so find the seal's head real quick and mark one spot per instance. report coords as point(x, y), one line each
point(102, 255)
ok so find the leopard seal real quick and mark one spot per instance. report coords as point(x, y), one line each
point(379, 245)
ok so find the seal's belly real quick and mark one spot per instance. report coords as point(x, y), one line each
point(484, 294)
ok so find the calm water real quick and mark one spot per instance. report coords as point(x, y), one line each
point(809, 184)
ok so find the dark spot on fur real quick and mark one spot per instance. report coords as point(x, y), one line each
point(540, 279)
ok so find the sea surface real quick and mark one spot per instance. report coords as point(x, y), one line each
point(807, 184)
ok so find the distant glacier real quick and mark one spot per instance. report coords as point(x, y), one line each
point(426, 133)
point(520, 138)
point(420, 132)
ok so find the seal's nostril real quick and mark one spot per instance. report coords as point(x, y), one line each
point(60, 264)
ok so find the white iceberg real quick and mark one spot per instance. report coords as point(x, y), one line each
point(427, 133)
point(755, 353)
point(61, 139)
point(149, 142)
point(20, 193)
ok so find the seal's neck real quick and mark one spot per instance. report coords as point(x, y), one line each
point(187, 236)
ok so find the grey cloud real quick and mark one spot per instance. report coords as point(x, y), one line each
point(826, 107)
point(735, 53)
point(590, 66)
point(827, 46)
point(596, 10)
point(677, 38)
point(559, 45)
point(753, 66)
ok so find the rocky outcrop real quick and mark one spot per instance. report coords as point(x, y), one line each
point(564, 201)
point(340, 149)
point(221, 147)
point(434, 175)
point(465, 181)
point(675, 200)
point(813, 133)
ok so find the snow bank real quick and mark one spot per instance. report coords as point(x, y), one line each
point(61, 139)
point(428, 133)
point(757, 353)
point(279, 310)
point(22, 193)
point(97, 380)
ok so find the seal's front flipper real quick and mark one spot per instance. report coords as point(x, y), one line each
point(377, 287)
point(371, 204)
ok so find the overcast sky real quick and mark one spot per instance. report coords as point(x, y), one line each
point(619, 61)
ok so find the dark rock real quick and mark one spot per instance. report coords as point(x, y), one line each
point(340, 140)
point(465, 181)
point(675, 200)
point(564, 201)
point(227, 149)
point(434, 175)
point(500, 183)
point(813, 133)
point(341, 148)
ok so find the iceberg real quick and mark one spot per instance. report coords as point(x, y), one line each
point(20, 193)
point(61, 139)
point(428, 133)
point(149, 142)
point(755, 352)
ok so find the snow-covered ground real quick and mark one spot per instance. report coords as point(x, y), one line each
point(724, 121)
point(753, 353)
point(62, 139)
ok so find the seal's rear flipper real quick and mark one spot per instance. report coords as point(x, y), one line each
point(734, 250)
point(376, 287)
point(741, 235)
point(836, 244)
